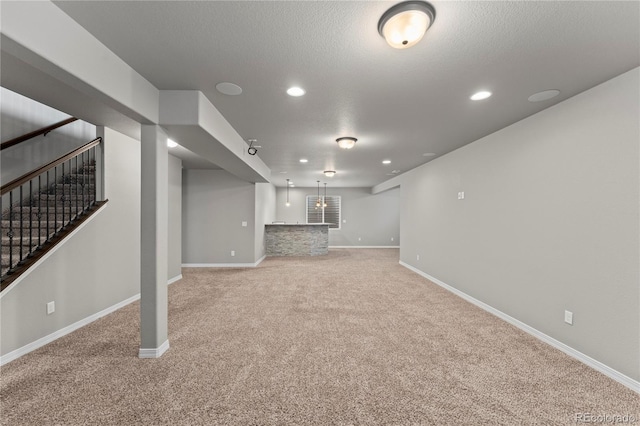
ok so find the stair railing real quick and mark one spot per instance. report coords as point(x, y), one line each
point(42, 203)
point(31, 135)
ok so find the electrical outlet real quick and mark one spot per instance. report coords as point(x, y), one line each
point(244, 223)
point(461, 195)
point(391, 238)
point(359, 239)
point(51, 308)
point(233, 252)
point(417, 257)
point(568, 317)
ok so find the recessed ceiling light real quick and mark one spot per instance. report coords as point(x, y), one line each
point(543, 96)
point(290, 181)
point(395, 172)
point(171, 143)
point(480, 96)
point(292, 186)
point(228, 88)
point(429, 154)
point(295, 91)
point(283, 173)
point(304, 160)
point(386, 161)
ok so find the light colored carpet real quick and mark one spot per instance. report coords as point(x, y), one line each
point(346, 339)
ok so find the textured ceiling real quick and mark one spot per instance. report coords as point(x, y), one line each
point(400, 104)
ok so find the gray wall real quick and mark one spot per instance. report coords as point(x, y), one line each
point(550, 221)
point(21, 115)
point(174, 264)
point(214, 205)
point(265, 213)
point(93, 270)
point(367, 219)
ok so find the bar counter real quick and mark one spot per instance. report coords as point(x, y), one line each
point(297, 239)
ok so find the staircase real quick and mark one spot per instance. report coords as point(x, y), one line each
point(42, 207)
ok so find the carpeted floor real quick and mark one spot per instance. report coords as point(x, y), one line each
point(351, 338)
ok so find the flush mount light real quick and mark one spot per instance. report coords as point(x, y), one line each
point(228, 88)
point(304, 160)
point(544, 96)
point(405, 23)
point(346, 142)
point(480, 96)
point(295, 91)
point(329, 173)
point(386, 161)
point(171, 143)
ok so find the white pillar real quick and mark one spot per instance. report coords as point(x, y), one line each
point(153, 243)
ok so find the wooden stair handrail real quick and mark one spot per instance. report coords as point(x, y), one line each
point(35, 133)
point(27, 177)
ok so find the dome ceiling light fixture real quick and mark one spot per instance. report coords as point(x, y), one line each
point(329, 173)
point(346, 142)
point(404, 24)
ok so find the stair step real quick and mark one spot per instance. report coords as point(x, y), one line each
point(5, 258)
point(65, 188)
point(6, 225)
point(6, 242)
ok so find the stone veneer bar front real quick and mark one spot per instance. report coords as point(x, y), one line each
point(297, 239)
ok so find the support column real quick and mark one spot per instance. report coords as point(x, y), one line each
point(153, 243)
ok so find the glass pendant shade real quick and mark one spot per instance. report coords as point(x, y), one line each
point(288, 203)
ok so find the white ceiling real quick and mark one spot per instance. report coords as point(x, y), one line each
point(400, 104)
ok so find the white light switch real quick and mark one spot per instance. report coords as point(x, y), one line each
point(461, 195)
point(244, 223)
point(568, 317)
point(233, 252)
point(344, 220)
point(51, 308)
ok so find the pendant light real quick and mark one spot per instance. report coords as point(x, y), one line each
point(318, 201)
point(288, 204)
point(324, 201)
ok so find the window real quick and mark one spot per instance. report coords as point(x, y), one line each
point(330, 214)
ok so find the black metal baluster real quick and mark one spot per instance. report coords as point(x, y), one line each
point(93, 173)
point(10, 234)
point(62, 197)
point(39, 210)
point(30, 215)
point(84, 182)
point(48, 196)
point(21, 222)
point(77, 182)
point(55, 200)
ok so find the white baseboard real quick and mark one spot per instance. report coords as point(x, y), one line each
point(174, 279)
point(64, 331)
point(224, 265)
point(154, 352)
point(53, 250)
point(362, 247)
point(632, 384)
